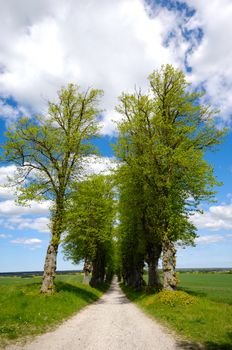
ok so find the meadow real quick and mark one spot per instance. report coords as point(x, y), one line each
point(200, 311)
point(24, 311)
point(214, 286)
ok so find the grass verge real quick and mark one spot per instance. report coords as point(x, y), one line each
point(196, 319)
point(24, 311)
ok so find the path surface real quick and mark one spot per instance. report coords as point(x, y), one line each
point(112, 323)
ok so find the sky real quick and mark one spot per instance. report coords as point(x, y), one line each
point(112, 45)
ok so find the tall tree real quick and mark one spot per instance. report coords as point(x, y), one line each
point(164, 134)
point(49, 152)
point(130, 229)
point(89, 225)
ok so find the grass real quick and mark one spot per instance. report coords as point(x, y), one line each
point(213, 286)
point(203, 315)
point(24, 311)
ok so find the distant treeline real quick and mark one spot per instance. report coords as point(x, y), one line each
point(204, 270)
point(37, 273)
point(70, 272)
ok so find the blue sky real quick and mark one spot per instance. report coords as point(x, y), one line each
point(113, 45)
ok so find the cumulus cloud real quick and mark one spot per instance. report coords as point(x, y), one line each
point(111, 45)
point(40, 224)
point(5, 172)
point(211, 59)
point(33, 242)
point(216, 218)
point(35, 215)
point(9, 207)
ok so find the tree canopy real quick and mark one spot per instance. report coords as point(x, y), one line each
point(48, 152)
point(163, 136)
point(90, 216)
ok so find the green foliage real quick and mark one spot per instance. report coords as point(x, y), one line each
point(163, 136)
point(130, 235)
point(47, 150)
point(24, 311)
point(90, 214)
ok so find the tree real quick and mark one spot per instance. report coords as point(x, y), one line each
point(164, 135)
point(130, 229)
point(89, 224)
point(49, 153)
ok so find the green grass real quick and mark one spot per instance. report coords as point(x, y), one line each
point(213, 286)
point(203, 316)
point(24, 311)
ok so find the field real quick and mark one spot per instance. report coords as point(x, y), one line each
point(204, 315)
point(214, 286)
point(24, 311)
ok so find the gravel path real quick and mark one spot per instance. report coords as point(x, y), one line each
point(112, 323)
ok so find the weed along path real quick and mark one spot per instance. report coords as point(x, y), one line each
point(112, 323)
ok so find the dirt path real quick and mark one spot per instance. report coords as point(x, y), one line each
point(112, 323)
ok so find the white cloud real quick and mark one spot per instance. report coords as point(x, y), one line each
point(40, 224)
point(15, 217)
point(99, 165)
point(34, 242)
point(211, 61)
point(5, 172)
point(10, 113)
point(111, 45)
point(216, 218)
point(5, 235)
point(215, 238)
point(9, 207)
point(108, 44)
point(209, 239)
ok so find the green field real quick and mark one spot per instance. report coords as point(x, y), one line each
point(213, 286)
point(204, 315)
point(24, 311)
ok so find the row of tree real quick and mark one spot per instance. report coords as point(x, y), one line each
point(122, 221)
point(163, 137)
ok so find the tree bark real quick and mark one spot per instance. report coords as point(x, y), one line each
point(98, 273)
point(169, 265)
point(134, 276)
point(153, 253)
point(49, 269)
point(87, 270)
point(51, 256)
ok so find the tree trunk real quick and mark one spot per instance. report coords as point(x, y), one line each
point(87, 270)
point(153, 274)
point(50, 260)
point(169, 265)
point(49, 269)
point(98, 273)
point(153, 253)
point(134, 277)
